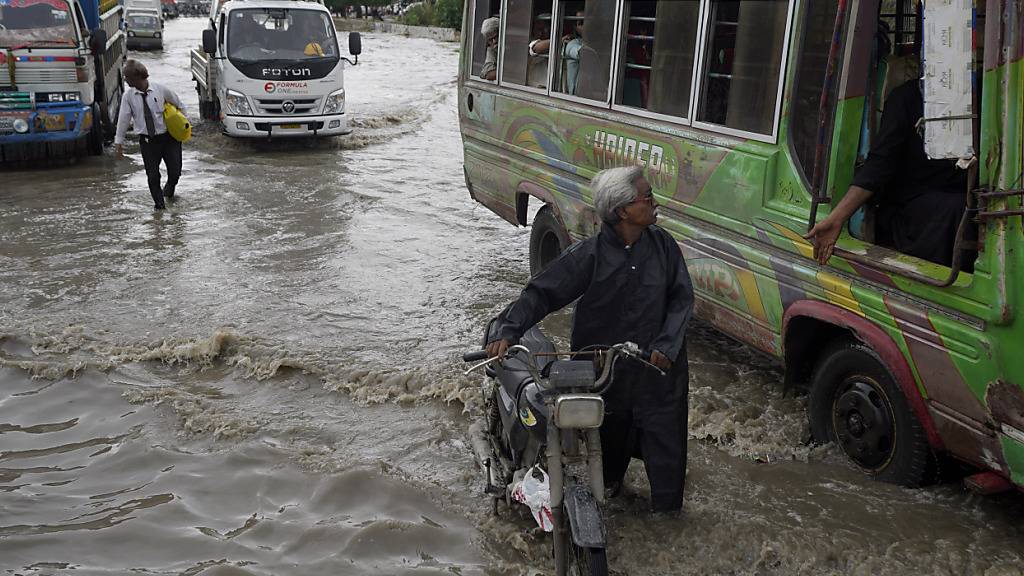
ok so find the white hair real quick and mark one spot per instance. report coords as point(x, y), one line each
point(614, 188)
point(489, 27)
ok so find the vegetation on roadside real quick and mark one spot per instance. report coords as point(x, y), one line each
point(441, 13)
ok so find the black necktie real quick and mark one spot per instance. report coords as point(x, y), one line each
point(150, 123)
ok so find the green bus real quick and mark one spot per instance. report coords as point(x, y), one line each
point(751, 118)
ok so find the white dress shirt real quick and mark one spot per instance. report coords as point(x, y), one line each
point(132, 110)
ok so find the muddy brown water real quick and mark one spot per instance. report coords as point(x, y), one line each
point(265, 378)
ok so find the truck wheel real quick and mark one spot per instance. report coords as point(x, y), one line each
point(855, 402)
point(548, 239)
point(95, 136)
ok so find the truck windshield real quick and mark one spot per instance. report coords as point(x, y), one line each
point(36, 23)
point(142, 22)
point(280, 34)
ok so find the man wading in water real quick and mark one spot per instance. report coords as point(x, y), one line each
point(632, 284)
point(143, 106)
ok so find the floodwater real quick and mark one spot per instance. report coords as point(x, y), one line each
point(265, 378)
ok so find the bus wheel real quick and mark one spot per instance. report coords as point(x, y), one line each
point(855, 402)
point(547, 240)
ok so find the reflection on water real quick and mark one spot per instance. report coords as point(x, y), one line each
point(264, 379)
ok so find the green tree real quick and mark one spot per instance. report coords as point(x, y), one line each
point(448, 13)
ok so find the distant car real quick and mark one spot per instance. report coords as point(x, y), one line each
point(145, 30)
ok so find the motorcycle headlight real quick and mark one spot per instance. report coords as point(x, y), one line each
point(335, 103)
point(238, 104)
point(20, 125)
point(579, 411)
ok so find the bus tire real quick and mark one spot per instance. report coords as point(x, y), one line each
point(548, 239)
point(856, 403)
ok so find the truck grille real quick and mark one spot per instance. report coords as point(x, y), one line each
point(276, 106)
point(24, 75)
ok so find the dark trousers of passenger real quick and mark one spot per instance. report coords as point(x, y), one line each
point(648, 411)
point(154, 149)
point(926, 227)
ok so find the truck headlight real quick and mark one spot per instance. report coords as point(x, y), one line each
point(72, 96)
point(335, 103)
point(579, 411)
point(131, 34)
point(156, 35)
point(20, 125)
point(238, 104)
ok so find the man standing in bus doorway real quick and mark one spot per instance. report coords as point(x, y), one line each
point(572, 45)
point(920, 201)
point(489, 30)
point(143, 106)
point(631, 283)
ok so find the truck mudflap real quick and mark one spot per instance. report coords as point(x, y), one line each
point(53, 121)
point(585, 521)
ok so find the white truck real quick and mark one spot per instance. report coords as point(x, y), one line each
point(272, 68)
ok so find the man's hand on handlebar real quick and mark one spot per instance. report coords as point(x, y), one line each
point(661, 361)
point(497, 348)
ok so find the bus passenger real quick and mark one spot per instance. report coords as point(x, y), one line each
point(537, 67)
point(632, 285)
point(489, 30)
point(920, 201)
point(572, 45)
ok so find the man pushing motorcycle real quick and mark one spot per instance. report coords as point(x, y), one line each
point(631, 284)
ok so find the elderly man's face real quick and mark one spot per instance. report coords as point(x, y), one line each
point(642, 211)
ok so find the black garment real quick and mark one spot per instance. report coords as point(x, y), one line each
point(640, 293)
point(154, 149)
point(920, 201)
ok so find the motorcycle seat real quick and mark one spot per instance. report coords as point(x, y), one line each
point(513, 371)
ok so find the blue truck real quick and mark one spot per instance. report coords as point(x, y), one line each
point(60, 77)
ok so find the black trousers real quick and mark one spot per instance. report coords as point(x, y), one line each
point(646, 416)
point(154, 149)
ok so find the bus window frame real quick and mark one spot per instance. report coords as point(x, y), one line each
point(642, 112)
point(501, 58)
point(556, 12)
point(696, 87)
point(772, 138)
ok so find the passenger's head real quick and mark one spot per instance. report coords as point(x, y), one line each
point(579, 23)
point(136, 75)
point(542, 27)
point(489, 29)
point(617, 191)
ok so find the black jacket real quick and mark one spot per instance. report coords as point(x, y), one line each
point(640, 293)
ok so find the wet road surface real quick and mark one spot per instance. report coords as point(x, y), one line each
point(264, 379)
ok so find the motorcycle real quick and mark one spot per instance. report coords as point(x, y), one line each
point(538, 441)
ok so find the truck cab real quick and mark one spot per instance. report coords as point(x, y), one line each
point(60, 77)
point(272, 68)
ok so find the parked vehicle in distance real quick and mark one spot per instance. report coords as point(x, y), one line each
point(60, 77)
point(272, 68)
point(144, 29)
point(169, 9)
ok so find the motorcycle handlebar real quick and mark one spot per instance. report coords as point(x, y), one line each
point(475, 356)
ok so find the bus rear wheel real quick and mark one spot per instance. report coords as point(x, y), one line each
point(856, 403)
point(548, 239)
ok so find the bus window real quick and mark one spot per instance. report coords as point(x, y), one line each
point(583, 61)
point(482, 10)
point(819, 20)
point(526, 43)
point(742, 62)
point(656, 65)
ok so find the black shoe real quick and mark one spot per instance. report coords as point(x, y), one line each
point(169, 195)
point(160, 207)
